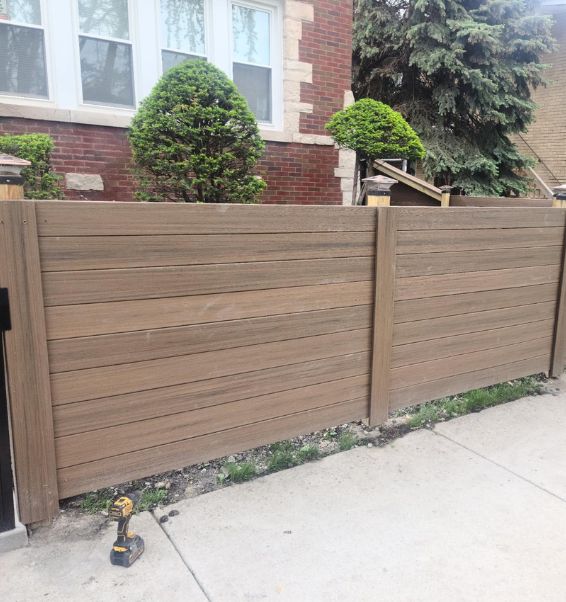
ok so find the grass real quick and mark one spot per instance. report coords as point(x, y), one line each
point(280, 460)
point(150, 498)
point(96, 502)
point(473, 401)
point(308, 453)
point(347, 441)
point(239, 472)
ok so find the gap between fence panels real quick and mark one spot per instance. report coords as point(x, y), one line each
point(237, 326)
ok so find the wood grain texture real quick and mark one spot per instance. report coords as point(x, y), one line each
point(414, 353)
point(100, 286)
point(437, 328)
point(461, 218)
point(105, 443)
point(469, 261)
point(440, 241)
point(101, 473)
point(558, 361)
point(144, 405)
point(383, 314)
point(105, 252)
point(408, 396)
point(471, 201)
point(27, 364)
point(114, 349)
point(65, 218)
point(451, 305)
point(420, 287)
point(125, 316)
point(93, 383)
point(418, 374)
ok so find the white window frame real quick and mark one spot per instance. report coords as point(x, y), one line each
point(208, 19)
point(132, 30)
point(46, 53)
point(275, 56)
point(60, 25)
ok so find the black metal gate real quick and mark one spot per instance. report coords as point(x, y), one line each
point(6, 479)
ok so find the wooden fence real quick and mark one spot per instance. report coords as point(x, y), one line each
point(147, 337)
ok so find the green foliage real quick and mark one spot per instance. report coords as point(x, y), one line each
point(96, 501)
point(238, 473)
point(461, 72)
point(281, 459)
point(40, 182)
point(473, 401)
point(308, 453)
point(347, 441)
point(375, 131)
point(150, 498)
point(195, 139)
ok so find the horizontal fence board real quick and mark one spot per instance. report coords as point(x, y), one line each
point(56, 218)
point(420, 287)
point(490, 201)
point(461, 218)
point(414, 353)
point(101, 473)
point(424, 372)
point(451, 305)
point(96, 286)
point(402, 398)
point(439, 241)
point(106, 350)
point(92, 383)
point(125, 316)
point(469, 261)
point(437, 328)
point(104, 443)
point(143, 405)
point(105, 252)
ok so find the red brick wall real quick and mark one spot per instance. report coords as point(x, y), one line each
point(295, 173)
point(327, 45)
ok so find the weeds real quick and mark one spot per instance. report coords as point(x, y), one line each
point(97, 501)
point(150, 498)
point(281, 459)
point(238, 473)
point(347, 441)
point(308, 453)
point(473, 401)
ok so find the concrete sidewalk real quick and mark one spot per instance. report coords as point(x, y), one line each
point(474, 510)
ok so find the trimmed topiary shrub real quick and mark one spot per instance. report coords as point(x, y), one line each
point(40, 182)
point(375, 131)
point(194, 139)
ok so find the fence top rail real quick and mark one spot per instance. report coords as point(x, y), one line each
point(85, 218)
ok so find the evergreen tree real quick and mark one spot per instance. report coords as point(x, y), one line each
point(461, 73)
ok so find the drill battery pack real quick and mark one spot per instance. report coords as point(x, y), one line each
point(126, 553)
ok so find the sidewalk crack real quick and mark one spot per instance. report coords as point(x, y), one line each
point(180, 554)
point(505, 468)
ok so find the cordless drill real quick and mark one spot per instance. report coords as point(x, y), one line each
point(128, 546)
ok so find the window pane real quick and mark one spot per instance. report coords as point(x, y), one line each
point(255, 84)
point(251, 35)
point(170, 59)
point(106, 69)
point(105, 18)
point(182, 25)
point(22, 61)
point(23, 11)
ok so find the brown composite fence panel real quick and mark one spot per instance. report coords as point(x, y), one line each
point(151, 336)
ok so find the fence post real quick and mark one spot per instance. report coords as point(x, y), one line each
point(11, 180)
point(386, 245)
point(27, 365)
point(558, 362)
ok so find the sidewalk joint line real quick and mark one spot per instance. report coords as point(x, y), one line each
point(505, 468)
point(179, 553)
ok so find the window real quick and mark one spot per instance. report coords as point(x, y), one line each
point(183, 31)
point(251, 52)
point(106, 52)
point(22, 49)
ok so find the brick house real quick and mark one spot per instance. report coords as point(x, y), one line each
point(544, 140)
point(77, 69)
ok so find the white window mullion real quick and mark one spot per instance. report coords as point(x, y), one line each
point(221, 27)
point(60, 32)
point(147, 63)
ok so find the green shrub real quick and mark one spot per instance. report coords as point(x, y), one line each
point(238, 473)
point(375, 131)
point(347, 441)
point(40, 182)
point(194, 139)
